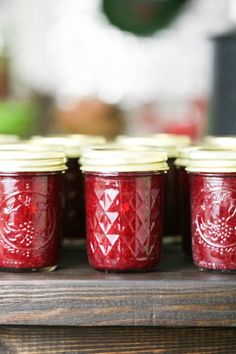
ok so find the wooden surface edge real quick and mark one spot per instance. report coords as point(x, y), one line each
point(122, 304)
point(113, 340)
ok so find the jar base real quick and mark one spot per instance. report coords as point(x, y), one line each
point(29, 270)
point(130, 271)
point(217, 271)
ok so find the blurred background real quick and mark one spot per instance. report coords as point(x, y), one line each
point(118, 66)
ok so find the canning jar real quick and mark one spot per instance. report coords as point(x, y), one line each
point(184, 198)
point(73, 225)
point(213, 208)
point(170, 143)
point(124, 202)
point(30, 207)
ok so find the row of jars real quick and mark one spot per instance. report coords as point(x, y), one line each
point(131, 187)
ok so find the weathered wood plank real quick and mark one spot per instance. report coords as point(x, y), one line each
point(127, 340)
point(76, 295)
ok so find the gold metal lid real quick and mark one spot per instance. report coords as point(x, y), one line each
point(224, 141)
point(8, 138)
point(183, 154)
point(28, 158)
point(72, 142)
point(113, 145)
point(169, 142)
point(33, 145)
point(212, 160)
point(123, 159)
point(179, 140)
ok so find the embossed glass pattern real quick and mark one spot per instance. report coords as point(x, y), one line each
point(213, 199)
point(30, 213)
point(124, 220)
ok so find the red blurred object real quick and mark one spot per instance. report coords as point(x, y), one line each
point(193, 122)
point(181, 117)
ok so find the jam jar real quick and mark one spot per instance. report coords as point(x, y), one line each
point(213, 208)
point(184, 198)
point(30, 207)
point(170, 143)
point(124, 192)
point(73, 220)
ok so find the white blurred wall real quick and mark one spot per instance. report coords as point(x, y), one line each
point(68, 49)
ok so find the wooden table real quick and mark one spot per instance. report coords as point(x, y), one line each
point(76, 309)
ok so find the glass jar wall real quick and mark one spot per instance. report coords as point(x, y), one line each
point(30, 208)
point(213, 207)
point(170, 143)
point(184, 198)
point(73, 226)
point(124, 201)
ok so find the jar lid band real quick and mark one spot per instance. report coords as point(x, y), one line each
point(9, 138)
point(168, 142)
point(105, 159)
point(212, 160)
point(72, 143)
point(220, 141)
point(25, 158)
point(184, 152)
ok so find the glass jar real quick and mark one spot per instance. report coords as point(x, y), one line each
point(213, 208)
point(170, 143)
point(124, 200)
point(30, 207)
point(73, 225)
point(184, 198)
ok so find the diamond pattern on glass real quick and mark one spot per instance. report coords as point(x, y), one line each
point(124, 219)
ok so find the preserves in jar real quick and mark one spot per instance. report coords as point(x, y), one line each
point(30, 208)
point(124, 207)
point(213, 208)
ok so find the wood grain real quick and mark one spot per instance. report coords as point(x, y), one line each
point(25, 340)
point(76, 295)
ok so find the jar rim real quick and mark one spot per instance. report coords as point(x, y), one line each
point(72, 143)
point(217, 140)
point(123, 159)
point(212, 160)
point(169, 142)
point(184, 152)
point(9, 138)
point(183, 155)
point(28, 158)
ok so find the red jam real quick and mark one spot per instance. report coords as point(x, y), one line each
point(73, 218)
point(213, 200)
point(30, 212)
point(74, 205)
point(171, 202)
point(124, 220)
point(185, 210)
